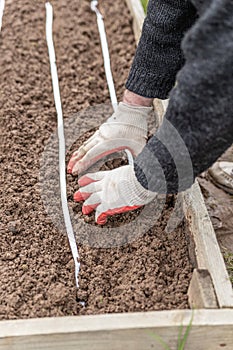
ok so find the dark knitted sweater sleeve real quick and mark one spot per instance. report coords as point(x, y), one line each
point(198, 125)
point(159, 56)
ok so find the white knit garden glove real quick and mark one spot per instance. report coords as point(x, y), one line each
point(125, 129)
point(112, 192)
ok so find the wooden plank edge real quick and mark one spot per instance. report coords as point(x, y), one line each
point(134, 331)
point(138, 16)
point(201, 293)
point(208, 253)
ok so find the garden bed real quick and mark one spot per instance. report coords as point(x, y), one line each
point(37, 275)
point(151, 272)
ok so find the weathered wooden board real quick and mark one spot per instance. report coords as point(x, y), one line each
point(208, 253)
point(138, 15)
point(201, 291)
point(211, 330)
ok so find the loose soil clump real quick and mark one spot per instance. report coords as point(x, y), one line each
point(37, 274)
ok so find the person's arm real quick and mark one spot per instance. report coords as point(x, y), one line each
point(159, 56)
point(153, 72)
point(200, 108)
point(198, 126)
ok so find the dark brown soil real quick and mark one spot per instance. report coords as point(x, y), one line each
point(148, 270)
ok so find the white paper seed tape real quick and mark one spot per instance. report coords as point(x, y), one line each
point(62, 151)
point(104, 45)
point(2, 6)
point(107, 63)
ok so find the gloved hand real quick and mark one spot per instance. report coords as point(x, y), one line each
point(125, 129)
point(112, 192)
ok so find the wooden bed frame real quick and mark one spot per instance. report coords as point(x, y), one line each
point(210, 293)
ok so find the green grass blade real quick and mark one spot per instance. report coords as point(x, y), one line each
point(144, 4)
point(160, 340)
point(180, 336)
point(183, 341)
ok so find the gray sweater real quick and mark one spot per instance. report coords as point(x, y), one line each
point(194, 39)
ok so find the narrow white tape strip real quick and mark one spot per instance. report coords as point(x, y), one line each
point(2, 6)
point(107, 63)
point(62, 152)
point(105, 50)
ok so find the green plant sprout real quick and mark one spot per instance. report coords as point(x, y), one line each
point(144, 4)
point(182, 338)
point(229, 263)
